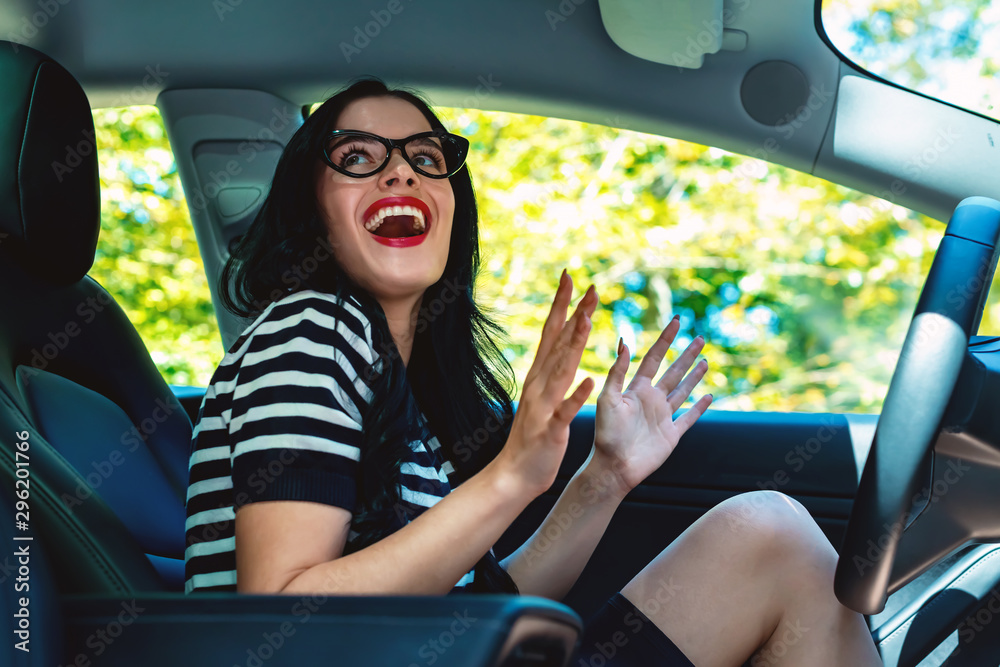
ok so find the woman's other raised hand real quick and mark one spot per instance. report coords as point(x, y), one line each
point(540, 430)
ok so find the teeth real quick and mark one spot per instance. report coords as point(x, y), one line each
point(419, 224)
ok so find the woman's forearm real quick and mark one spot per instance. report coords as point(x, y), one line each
point(430, 554)
point(551, 561)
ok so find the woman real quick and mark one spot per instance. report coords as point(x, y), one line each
point(316, 468)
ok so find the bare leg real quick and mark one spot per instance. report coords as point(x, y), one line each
point(753, 576)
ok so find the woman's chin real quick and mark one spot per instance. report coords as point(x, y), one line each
point(399, 287)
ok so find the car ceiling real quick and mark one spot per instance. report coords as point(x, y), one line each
point(549, 57)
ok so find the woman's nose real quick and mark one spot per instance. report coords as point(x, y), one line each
point(398, 169)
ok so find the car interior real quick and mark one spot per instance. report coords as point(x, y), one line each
point(233, 81)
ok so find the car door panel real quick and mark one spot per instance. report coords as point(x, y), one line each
point(815, 458)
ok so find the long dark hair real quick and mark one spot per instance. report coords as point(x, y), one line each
point(457, 373)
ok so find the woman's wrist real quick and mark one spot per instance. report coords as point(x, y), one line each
point(601, 480)
point(507, 481)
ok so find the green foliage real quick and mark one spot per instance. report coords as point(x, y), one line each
point(802, 288)
point(943, 48)
point(147, 256)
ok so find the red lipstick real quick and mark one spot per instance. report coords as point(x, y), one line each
point(405, 241)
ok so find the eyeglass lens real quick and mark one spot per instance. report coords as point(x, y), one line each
point(361, 155)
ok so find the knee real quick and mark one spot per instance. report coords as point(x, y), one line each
point(772, 524)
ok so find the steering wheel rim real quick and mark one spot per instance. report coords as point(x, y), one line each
point(946, 316)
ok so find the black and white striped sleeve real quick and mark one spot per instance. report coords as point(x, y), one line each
point(297, 405)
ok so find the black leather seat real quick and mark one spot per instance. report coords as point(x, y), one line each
point(73, 371)
point(84, 410)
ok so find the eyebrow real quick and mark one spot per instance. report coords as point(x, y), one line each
point(343, 139)
point(430, 141)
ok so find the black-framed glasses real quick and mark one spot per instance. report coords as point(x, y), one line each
point(435, 154)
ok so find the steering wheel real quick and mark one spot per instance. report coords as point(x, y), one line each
point(912, 507)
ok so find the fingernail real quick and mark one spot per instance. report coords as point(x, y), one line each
point(699, 336)
point(562, 277)
point(621, 346)
point(675, 318)
point(710, 397)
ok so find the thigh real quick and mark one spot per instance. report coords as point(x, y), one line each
point(719, 589)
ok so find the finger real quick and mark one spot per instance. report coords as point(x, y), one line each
point(560, 365)
point(681, 365)
point(554, 323)
point(616, 374)
point(687, 420)
point(654, 356)
point(676, 398)
point(567, 410)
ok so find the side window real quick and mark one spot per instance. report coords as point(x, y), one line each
point(942, 48)
point(147, 255)
point(802, 289)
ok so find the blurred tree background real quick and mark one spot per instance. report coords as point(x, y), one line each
point(147, 255)
point(803, 289)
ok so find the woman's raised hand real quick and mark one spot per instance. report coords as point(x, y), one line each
point(540, 431)
point(635, 429)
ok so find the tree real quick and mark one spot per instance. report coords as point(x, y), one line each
point(802, 288)
point(147, 255)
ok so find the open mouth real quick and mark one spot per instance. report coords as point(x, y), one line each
point(398, 222)
point(395, 222)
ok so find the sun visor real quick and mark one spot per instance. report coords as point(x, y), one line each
point(669, 32)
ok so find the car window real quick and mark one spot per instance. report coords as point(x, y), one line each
point(948, 49)
point(802, 288)
point(147, 255)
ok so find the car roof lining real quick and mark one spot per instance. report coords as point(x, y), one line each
point(552, 59)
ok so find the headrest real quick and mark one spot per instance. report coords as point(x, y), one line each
point(50, 202)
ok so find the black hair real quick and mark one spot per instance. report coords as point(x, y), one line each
point(457, 373)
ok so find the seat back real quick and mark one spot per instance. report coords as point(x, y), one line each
point(109, 441)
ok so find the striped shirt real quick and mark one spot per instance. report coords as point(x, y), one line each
point(281, 420)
